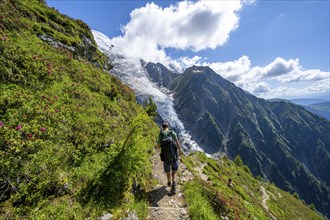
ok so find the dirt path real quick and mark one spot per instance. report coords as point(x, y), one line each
point(163, 205)
point(265, 197)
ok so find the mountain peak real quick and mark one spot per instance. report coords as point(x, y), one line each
point(200, 70)
point(226, 119)
point(159, 74)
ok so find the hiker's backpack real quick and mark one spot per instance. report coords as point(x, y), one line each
point(169, 151)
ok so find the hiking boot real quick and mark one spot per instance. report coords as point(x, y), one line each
point(173, 188)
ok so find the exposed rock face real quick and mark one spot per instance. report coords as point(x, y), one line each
point(86, 49)
point(55, 43)
point(277, 140)
point(160, 74)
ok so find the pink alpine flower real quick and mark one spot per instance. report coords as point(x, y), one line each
point(18, 127)
point(29, 135)
point(1, 124)
point(43, 129)
point(56, 110)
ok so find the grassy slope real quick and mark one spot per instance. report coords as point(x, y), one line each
point(214, 199)
point(64, 122)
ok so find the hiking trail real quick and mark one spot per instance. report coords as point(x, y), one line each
point(163, 205)
point(265, 197)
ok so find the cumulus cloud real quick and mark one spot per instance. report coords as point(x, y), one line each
point(187, 62)
point(194, 25)
point(199, 25)
point(304, 75)
point(286, 72)
point(322, 85)
point(231, 70)
point(279, 67)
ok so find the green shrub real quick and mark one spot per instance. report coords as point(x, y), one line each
point(238, 161)
point(312, 207)
point(296, 195)
point(246, 169)
point(199, 207)
point(151, 107)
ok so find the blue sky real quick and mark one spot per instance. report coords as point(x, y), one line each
point(269, 48)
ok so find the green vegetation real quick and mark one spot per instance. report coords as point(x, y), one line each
point(74, 142)
point(215, 199)
point(151, 107)
point(73, 139)
point(199, 207)
point(238, 161)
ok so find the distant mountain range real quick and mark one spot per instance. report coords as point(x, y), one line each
point(309, 101)
point(277, 139)
point(317, 106)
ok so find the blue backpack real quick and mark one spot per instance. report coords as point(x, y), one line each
point(169, 151)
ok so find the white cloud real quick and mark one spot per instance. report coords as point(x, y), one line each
point(322, 85)
point(286, 72)
point(187, 62)
point(231, 70)
point(198, 25)
point(304, 75)
point(256, 88)
point(194, 25)
point(279, 67)
point(287, 91)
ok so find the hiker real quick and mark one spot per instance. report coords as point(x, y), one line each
point(170, 150)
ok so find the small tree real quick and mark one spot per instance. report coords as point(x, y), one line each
point(246, 169)
point(238, 161)
point(312, 207)
point(296, 195)
point(151, 107)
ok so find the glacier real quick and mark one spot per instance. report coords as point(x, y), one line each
point(133, 74)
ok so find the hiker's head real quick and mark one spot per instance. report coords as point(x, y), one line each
point(165, 125)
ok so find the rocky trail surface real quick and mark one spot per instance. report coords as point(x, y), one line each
point(164, 205)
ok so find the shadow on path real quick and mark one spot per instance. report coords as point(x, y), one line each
point(156, 195)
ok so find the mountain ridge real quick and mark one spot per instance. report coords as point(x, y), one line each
point(273, 138)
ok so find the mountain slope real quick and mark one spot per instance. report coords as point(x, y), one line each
point(322, 109)
point(317, 106)
point(277, 140)
point(211, 197)
point(72, 137)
